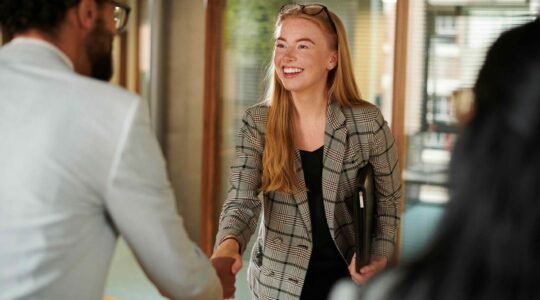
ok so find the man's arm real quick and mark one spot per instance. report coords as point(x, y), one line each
point(141, 203)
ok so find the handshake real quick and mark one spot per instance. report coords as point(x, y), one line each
point(223, 267)
point(227, 262)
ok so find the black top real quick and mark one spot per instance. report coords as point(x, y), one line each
point(326, 265)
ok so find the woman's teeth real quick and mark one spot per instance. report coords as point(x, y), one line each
point(289, 70)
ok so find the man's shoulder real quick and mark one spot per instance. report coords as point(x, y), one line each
point(98, 99)
point(106, 89)
point(102, 93)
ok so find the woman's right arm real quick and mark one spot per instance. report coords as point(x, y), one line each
point(241, 210)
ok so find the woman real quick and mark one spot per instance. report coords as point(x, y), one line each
point(302, 149)
point(488, 244)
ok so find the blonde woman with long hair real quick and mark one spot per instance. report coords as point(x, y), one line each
point(302, 149)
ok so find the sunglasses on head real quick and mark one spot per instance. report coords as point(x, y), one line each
point(310, 10)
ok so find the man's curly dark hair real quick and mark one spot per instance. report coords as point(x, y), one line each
point(20, 15)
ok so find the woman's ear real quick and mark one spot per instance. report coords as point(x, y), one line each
point(87, 13)
point(332, 63)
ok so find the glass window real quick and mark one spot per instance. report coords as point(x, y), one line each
point(248, 39)
point(247, 52)
point(447, 44)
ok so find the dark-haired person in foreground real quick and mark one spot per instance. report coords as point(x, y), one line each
point(79, 163)
point(488, 243)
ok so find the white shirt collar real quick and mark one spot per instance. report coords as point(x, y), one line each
point(43, 43)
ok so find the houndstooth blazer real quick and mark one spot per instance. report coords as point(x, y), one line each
point(354, 137)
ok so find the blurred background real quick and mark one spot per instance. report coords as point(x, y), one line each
point(200, 64)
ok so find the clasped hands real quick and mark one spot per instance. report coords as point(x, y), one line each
point(227, 262)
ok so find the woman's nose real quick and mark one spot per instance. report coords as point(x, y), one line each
point(289, 55)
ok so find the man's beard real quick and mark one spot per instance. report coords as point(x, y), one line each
point(99, 50)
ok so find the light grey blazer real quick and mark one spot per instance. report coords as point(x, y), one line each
point(79, 164)
point(354, 137)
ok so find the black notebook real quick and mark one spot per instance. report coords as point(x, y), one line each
point(364, 216)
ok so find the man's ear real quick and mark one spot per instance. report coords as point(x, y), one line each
point(87, 13)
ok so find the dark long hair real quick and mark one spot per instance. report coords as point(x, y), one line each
point(488, 243)
point(20, 15)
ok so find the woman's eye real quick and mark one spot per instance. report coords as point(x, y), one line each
point(303, 46)
point(279, 45)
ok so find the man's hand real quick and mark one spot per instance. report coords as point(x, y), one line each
point(377, 264)
point(226, 276)
point(227, 262)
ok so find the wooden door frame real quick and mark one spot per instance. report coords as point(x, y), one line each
point(212, 122)
point(399, 96)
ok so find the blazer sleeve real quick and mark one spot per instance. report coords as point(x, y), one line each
point(142, 205)
point(387, 175)
point(242, 207)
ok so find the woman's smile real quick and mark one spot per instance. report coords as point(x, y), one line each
point(291, 72)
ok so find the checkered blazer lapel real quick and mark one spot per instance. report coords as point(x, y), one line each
point(334, 151)
point(300, 196)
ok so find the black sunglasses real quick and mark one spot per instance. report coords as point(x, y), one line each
point(309, 9)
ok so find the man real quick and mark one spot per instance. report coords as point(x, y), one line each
point(79, 163)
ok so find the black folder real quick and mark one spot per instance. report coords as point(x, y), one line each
point(364, 216)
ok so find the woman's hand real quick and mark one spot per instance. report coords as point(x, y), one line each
point(376, 264)
point(227, 262)
point(230, 248)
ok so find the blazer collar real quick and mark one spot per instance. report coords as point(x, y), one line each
point(335, 115)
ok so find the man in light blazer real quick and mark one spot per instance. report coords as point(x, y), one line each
point(79, 163)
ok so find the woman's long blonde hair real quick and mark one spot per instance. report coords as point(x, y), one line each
point(279, 170)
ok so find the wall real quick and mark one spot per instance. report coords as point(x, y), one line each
point(184, 73)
